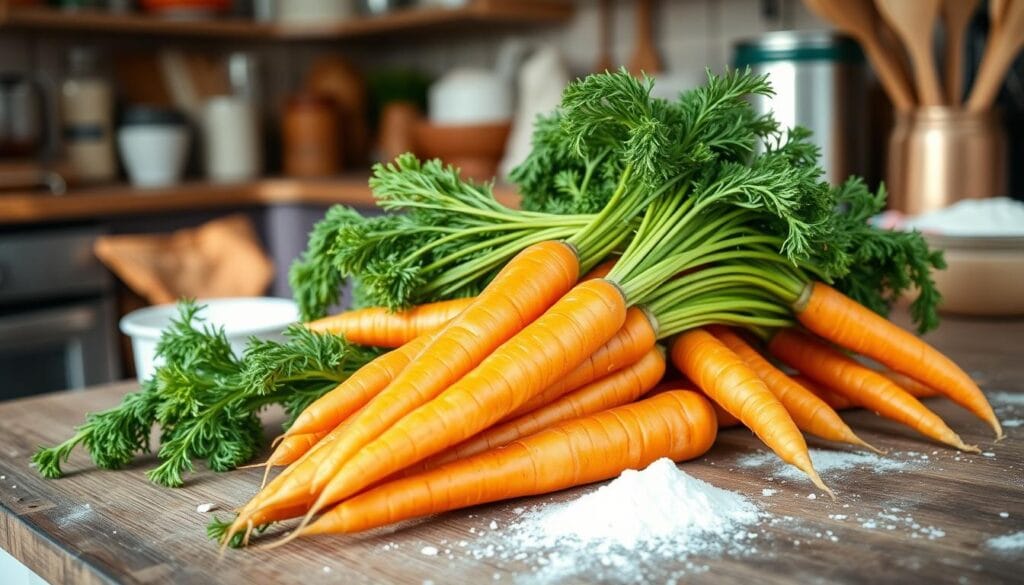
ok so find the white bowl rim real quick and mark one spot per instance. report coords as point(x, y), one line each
point(135, 324)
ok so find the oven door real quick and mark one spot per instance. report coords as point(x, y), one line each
point(63, 346)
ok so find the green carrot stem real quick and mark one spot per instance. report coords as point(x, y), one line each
point(724, 318)
point(645, 284)
point(462, 234)
point(462, 252)
point(470, 270)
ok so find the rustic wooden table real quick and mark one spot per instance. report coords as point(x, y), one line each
point(929, 522)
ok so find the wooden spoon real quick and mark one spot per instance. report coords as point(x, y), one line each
point(858, 18)
point(996, 10)
point(914, 21)
point(604, 38)
point(956, 13)
point(645, 57)
point(1005, 40)
point(895, 50)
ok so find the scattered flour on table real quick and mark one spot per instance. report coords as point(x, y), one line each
point(895, 519)
point(642, 518)
point(1008, 543)
point(825, 462)
point(1007, 398)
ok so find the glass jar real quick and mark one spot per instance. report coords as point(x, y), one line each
point(87, 110)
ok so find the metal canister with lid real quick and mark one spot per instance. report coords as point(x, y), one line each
point(819, 83)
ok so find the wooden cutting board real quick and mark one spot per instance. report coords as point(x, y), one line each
point(114, 527)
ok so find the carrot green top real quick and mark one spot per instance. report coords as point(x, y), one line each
point(610, 149)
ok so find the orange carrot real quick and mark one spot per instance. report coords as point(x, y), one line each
point(278, 515)
point(723, 376)
point(292, 447)
point(915, 388)
point(288, 450)
point(841, 373)
point(527, 286)
point(544, 351)
point(840, 402)
point(379, 327)
point(810, 413)
point(616, 389)
point(679, 425)
point(725, 420)
point(330, 409)
point(601, 270)
point(522, 290)
point(841, 320)
point(636, 337)
point(256, 512)
point(834, 399)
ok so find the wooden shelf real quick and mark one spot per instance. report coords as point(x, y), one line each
point(475, 13)
point(115, 200)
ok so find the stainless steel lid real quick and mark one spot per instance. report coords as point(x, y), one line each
point(803, 45)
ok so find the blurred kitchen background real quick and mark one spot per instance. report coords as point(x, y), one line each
point(154, 149)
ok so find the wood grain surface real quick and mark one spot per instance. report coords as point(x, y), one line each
point(925, 523)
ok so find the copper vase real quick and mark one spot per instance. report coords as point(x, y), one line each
point(938, 156)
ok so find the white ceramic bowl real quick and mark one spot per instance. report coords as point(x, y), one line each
point(984, 275)
point(468, 96)
point(241, 318)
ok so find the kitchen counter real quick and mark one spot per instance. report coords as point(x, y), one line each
point(118, 200)
point(927, 522)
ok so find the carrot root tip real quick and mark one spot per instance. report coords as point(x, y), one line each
point(285, 539)
point(292, 535)
point(816, 480)
point(266, 475)
point(248, 533)
point(969, 448)
point(225, 541)
point(998, 428)
point(869, 446)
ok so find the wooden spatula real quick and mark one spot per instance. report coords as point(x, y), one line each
point(1005, 40)
point(914, 21)
point(956, 14)
point(645, 56)
point(859, 18)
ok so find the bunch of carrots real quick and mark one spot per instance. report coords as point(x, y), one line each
point(552, 375)
point(561, 435)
